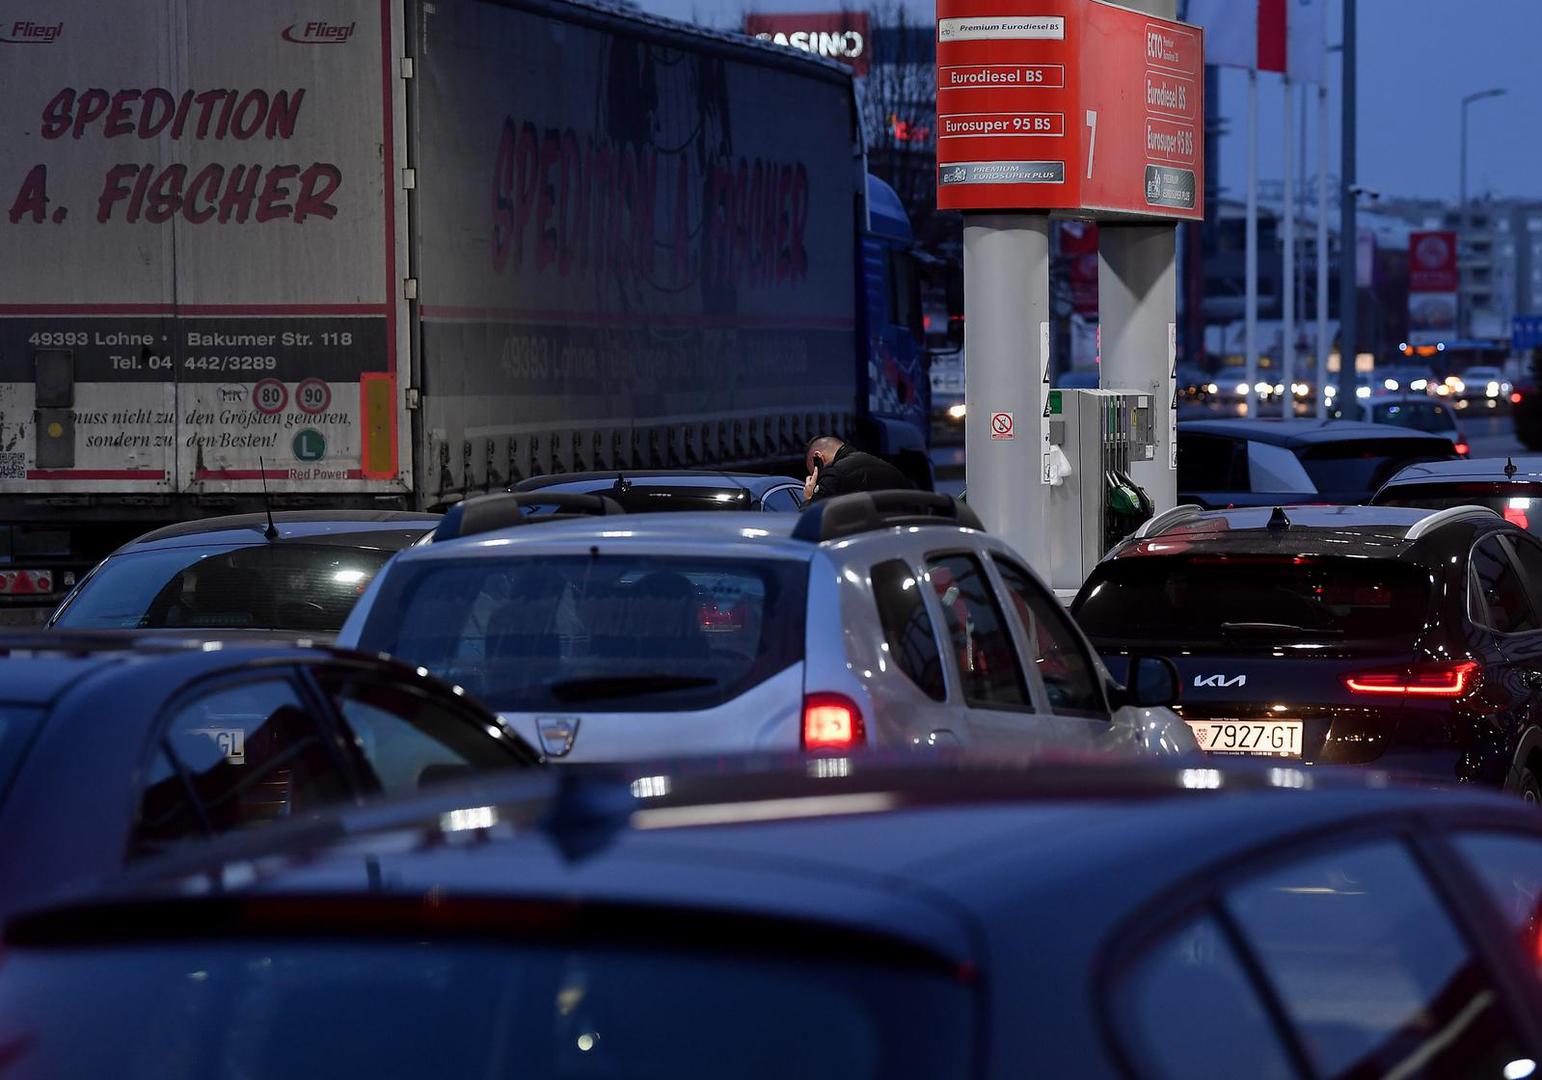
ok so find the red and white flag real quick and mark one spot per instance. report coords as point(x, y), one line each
point(1286, 36)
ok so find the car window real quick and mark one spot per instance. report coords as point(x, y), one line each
point(783, 499)
point(1519, 503)
point(908, 634)
point(1415, 415)
point(1528, 554)
point(1191, 1011)
point(1058, 656)
point(1370, 970)
point(530, 1004)
point(1211, 463)
point(409, 740)
point(271, 586)
point(236, 756)
point(610, 632)
point(982, 648)
point(1355, 468)
point(1500, 598)
point(1510, 867)
point(1245, 603)
point(1274, 468)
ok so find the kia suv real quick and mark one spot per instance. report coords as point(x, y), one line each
point(1340, 635)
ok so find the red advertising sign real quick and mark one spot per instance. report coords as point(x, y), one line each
point(1069, 105)
point(1432, 262)
point(842, 36)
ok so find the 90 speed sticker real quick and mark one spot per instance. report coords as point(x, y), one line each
point(312, 396)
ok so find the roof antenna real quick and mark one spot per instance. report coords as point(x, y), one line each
point(1278, 522)
point(271, 532)
point(1510, 469)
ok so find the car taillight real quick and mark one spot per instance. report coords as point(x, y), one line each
point(1516, 516)
point(1515, 397)
point(831, 722)
point(1446, 679)
point(1462, 449)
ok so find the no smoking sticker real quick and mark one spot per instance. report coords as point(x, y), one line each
point(1001, 426)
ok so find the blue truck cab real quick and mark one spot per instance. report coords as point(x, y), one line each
point(893, 382)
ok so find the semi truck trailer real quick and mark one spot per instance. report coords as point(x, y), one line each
point(389, 253)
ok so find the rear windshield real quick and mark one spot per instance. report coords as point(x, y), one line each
point(263, 587)
point(1520, 504)
point(1247, 603)
point(322, 1010)
point(1360, 466)
point(614, 633)
point(1416, 415)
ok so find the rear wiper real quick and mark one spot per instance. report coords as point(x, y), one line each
point(1277, 628)
point(613, 686)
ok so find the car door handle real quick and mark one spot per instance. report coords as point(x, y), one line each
point(939, 739)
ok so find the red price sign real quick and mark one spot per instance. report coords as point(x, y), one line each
point(269, 396)
point(1077, 105)
point(313, 396)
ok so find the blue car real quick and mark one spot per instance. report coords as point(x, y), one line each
point(114, 747)
point(840, 918)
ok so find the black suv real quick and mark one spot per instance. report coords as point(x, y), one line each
point(1340, 635)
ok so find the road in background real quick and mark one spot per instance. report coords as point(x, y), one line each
point(1491, 435)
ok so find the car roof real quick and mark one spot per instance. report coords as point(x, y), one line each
point(388, 529)
point(924, 854)
point(1527, 470)
point(41, 665)
point(756, 483)
point(753, 534)
point(1299, 433)
point(1313, 530)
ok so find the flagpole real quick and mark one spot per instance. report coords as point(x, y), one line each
point(1288, 272)
point(1250, 326)
point(1324, 148)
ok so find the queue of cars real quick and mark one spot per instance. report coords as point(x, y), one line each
point(823, 771)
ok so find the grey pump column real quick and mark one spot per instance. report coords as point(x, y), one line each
point(1138, 317)
point(1006, 346)
point(1138, 314)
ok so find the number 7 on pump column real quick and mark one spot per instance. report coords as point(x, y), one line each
point(1092, 139)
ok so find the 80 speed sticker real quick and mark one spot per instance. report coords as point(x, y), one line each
point(269, 396)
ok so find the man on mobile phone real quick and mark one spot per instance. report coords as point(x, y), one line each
point(836, 467)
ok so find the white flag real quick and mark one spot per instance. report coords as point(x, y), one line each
point(1231, 30)
point(1308, 41)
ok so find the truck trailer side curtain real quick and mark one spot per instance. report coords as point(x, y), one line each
point(591, 205)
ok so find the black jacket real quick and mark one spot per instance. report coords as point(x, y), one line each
point(852, 471)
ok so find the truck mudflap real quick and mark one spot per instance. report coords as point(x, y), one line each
point(201, 288)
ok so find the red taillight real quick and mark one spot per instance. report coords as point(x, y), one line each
point(1462, 449)
point(1427, 680)
point(831, 722)
point(1515, 397)
point(1517, 517)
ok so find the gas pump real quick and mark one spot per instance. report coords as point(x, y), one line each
point(1109, 440)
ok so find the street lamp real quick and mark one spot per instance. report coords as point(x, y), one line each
point(1463, 314)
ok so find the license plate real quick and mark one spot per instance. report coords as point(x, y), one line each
point(1274, 738)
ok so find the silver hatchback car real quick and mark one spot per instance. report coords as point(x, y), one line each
point(887, 620)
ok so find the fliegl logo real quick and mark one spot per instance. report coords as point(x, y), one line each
point(319, 32)
point(25, 32)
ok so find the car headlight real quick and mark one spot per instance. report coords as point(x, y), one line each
point(1492, 390)
point(1390, 384)
point(1419, 384)
point(1211, 388)
point(1242, 389)
point(1330, 390)
point(956, 412)
point(1362, 391)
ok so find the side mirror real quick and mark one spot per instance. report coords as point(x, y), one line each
point(1152, 683)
